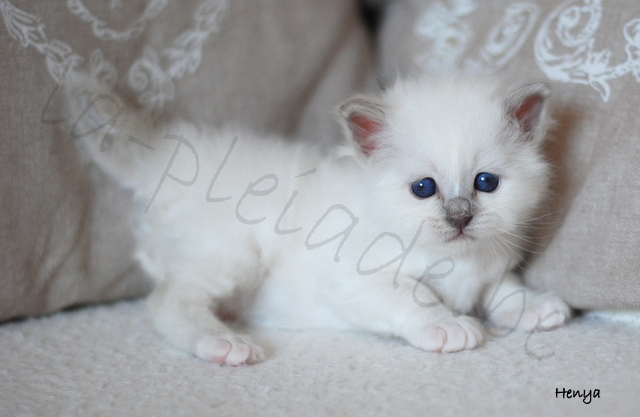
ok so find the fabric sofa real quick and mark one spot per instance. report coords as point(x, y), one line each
point(282, 67)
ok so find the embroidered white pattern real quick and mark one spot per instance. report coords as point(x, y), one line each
point(445, 33)
point(147, 75)
point(505, 39)
point(103, 71)
point(29, 31)
point(99, 27)
point(446, 36)
point(564, 47)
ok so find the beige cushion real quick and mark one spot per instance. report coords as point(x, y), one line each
point(65, 230)
point(589, 51)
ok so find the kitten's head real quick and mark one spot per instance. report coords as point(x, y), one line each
point(461, 154)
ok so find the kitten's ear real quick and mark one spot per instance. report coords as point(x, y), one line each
point(365, 118)
point(526, 106)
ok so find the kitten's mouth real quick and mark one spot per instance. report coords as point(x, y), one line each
point(460, 236)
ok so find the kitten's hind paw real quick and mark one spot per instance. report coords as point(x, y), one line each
point(541, 311)
point(449, 335)
point(231, 350)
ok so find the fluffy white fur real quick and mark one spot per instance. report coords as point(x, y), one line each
point(280, 233)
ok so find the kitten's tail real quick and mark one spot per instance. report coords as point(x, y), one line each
point(114, 135)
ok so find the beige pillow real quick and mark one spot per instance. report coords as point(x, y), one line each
point(66, 230)
point(589, 51)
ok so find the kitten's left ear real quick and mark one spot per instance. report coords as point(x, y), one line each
point(364, 118)
point(526, 106)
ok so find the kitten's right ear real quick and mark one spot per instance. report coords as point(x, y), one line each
point(365, 118)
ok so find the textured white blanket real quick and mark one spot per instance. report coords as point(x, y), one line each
point(108, 361)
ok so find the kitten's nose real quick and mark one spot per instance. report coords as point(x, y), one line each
point(458, 211)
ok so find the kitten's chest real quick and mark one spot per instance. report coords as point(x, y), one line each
point(458, 280)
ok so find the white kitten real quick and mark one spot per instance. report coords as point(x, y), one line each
point(405, 230)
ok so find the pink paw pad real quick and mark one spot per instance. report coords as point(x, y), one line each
point(229, 350)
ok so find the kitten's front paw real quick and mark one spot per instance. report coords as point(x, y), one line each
point(542, 311)
point(450, 335)
point(229, 350)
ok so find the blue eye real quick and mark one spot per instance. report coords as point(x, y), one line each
point(424, 188)
point(486, 182)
